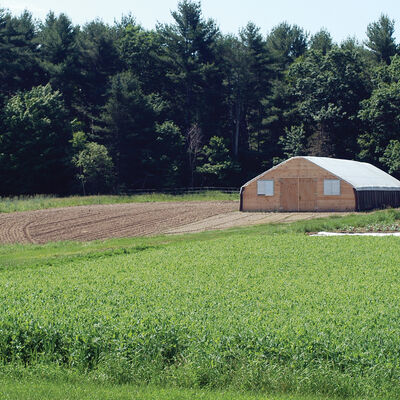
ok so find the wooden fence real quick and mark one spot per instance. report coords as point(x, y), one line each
point(187, 190)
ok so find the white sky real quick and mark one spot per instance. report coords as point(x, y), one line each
point(342, 18)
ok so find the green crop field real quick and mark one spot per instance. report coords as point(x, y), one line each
point(259, 310)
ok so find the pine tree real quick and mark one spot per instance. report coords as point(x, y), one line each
point(381, 40)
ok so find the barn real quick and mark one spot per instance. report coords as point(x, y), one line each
point(320, 184)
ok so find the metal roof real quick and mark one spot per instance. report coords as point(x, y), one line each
point(360, 175)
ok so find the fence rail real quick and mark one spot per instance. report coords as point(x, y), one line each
point(187, 190)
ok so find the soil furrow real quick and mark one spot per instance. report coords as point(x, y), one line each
point(85, 223)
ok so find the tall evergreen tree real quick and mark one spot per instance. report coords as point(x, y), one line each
point(19, 64)
point(285, 43)
point(98, 62)
point(190, 55)
point(128, 121)
point(236, 85)
point(381, 39)
point(322, 41)
point(248, 74)
point(139, 51)
point(193, 85)
point(60, 55)
point(259, 66)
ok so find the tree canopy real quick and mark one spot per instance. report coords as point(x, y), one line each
point(119, 107)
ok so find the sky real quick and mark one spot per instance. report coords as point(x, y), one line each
point(342, 18)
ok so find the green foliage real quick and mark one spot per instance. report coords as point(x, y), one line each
point(193, 80)
point(286, 43)
point(391, 157)
point(59, 54)
point(328, 89)
point(168, 155)
point(140, 93)
point(140, 52)
point(98, 61)
point(236, 84)
point(96, 169)
point(381, 39)
point(321, 41)
point(380, 112)
point(34, 143)
point(245, 311)
point(19, 62)
point(257, 81)
point(79, 140)
point(216, 162)
point(128, 120)
point(293, 141)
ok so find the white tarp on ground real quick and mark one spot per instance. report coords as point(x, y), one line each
point(356, 234)
point(362, 176)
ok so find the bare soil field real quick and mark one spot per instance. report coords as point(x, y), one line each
point(86, 223)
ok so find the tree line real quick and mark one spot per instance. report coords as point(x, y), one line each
point(107, 108)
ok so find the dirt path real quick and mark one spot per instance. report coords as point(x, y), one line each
point(85, 223)
point(237, 218)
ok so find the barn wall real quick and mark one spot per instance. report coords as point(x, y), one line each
point(298, 168)
point(371, 199)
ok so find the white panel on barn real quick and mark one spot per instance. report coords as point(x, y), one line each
point(331, 187)
point(265, 188)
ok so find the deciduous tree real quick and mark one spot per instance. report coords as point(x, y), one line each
point(34, 143)
point(96, 169)
point(380, 112)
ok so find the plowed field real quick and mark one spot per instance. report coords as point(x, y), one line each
point(85, 223)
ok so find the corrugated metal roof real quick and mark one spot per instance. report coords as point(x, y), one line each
point(362, 176)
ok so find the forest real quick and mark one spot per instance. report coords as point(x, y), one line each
point(106, 108)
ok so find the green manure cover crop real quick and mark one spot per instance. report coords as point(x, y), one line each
point(277, 313)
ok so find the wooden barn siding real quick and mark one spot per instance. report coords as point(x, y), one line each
point(299, 168)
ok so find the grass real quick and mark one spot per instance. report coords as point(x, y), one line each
point(34, 388)
point(39, 202)
point(247, 313)
point(263, 309)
